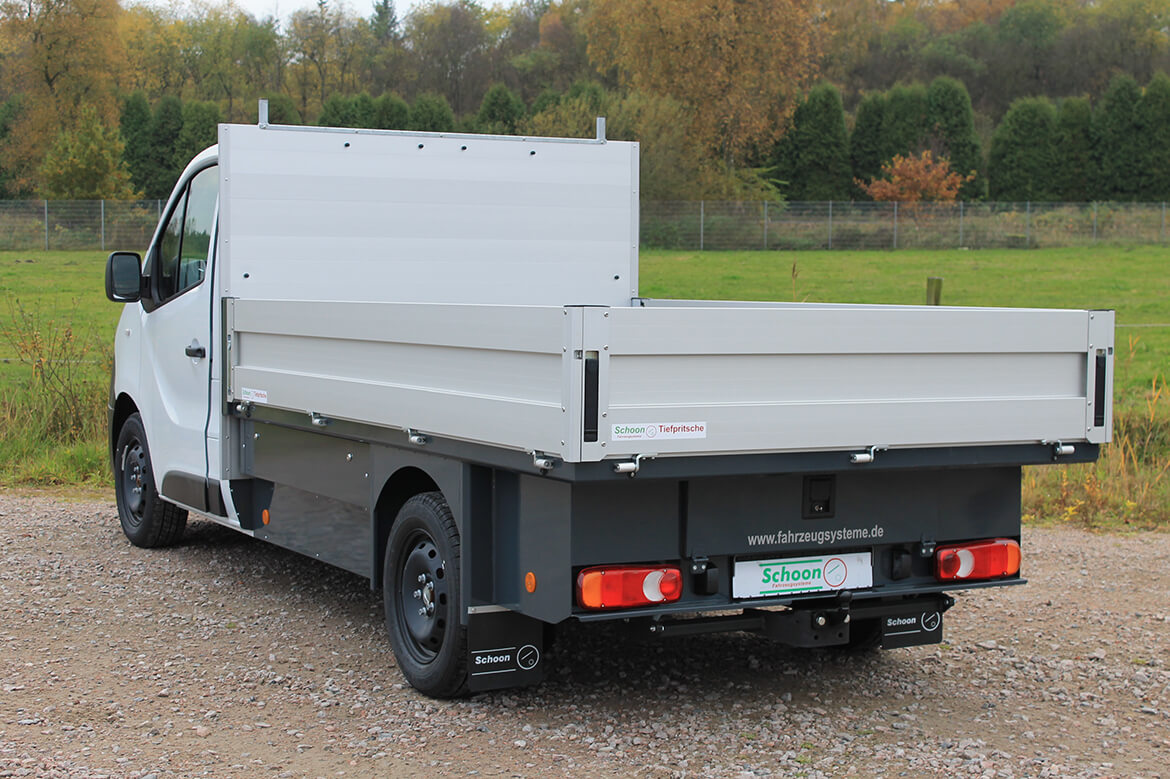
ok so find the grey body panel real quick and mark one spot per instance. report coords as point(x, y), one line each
point(366, 215)
point(749, 379)
point(326, 529)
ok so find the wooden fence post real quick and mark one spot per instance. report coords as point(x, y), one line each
point(934, 290)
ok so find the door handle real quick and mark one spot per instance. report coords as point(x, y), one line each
point(195, 350)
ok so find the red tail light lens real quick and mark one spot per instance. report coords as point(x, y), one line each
point(979, 560)
point(623, 586)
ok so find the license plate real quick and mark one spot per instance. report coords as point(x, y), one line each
point(791, 575)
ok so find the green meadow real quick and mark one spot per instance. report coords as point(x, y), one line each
point(56, 327)
point(1135, 282)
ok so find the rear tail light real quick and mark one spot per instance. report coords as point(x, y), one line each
point(978, 560)
point(623, 586)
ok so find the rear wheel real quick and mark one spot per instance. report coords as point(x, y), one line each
point(147, 520)
point(420, 588)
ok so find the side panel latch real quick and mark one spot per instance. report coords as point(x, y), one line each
point(633, 466)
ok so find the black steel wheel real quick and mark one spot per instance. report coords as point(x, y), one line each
point(420, 589)
point(147, 520)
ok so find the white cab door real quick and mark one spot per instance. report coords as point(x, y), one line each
point(177, 339)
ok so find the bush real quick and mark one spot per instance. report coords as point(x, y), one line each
point(1128, 487)
point(54, 419)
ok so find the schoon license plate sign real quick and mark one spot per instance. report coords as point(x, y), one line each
point(788, 576)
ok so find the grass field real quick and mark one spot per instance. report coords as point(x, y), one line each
point(1135, 282)
point(54, 310)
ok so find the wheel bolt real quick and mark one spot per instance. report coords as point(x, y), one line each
point(422, 577)
point(417, 594)
point(422, 612)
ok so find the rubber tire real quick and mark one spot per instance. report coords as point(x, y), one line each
point(437, 666)
point(147, 520)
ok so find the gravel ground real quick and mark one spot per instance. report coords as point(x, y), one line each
point(228, 657)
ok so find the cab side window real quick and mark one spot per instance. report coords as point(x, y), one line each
point(185, 244)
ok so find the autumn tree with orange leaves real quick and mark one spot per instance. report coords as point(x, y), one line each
point(739, 67)
point(916, 178)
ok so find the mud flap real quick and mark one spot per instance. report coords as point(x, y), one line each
point(504, 649)
point(919, 622)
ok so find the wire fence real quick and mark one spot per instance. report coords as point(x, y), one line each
point(702, 225)
point(711, 225)
point(77, 224)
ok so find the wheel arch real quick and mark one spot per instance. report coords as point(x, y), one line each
point(123, 406)
point(403, 484)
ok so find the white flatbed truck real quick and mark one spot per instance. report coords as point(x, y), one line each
point(423, 358)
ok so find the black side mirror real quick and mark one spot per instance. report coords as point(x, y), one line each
point(124, 277)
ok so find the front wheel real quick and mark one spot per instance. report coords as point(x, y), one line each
point(420, 589)
point(147, 520)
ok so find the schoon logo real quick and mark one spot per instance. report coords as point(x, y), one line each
point(657, 431)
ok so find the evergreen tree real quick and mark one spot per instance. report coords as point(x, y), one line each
point(282, 109)
point(431, 113)
point(362, 110)
point(592, 93)
point(1154, 115)
point(951, 125)
point(865, 144)
point(391, 113)
point(500, 110)
point(135, 129)
point(1075, 174)
point(85, 163)
point(813, 156)
point(548, 98)
point(200, 130)
point(1119, 142)
point(905, 128)
point(165, 126)
point(1023, 152)
point(9, 111)
point(337, 112)
point(384, 22)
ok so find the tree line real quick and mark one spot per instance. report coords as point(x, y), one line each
point(1072, 150)
point(804, 99)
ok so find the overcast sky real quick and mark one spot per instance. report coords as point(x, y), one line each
point(283, 9)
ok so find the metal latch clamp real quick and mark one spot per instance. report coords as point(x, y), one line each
point(868, 456)
point(634, 466)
